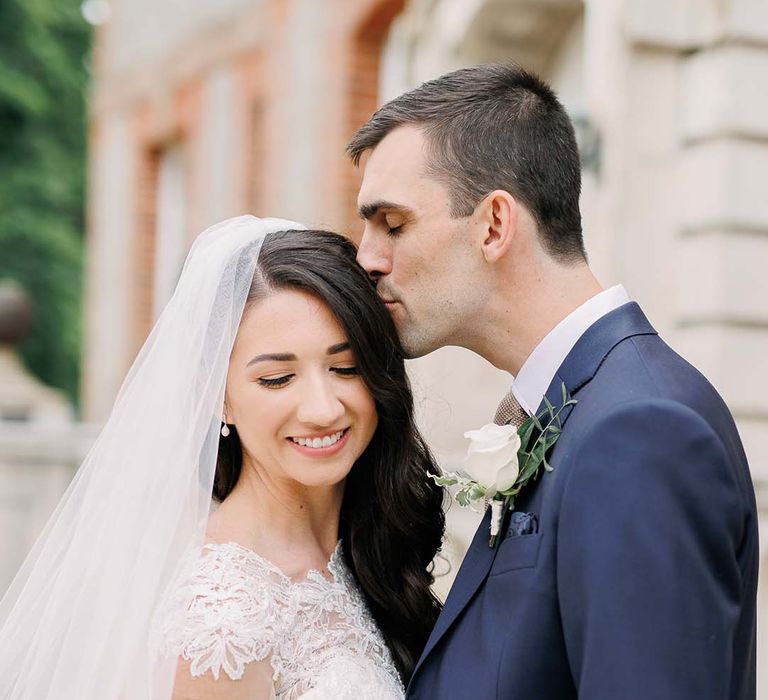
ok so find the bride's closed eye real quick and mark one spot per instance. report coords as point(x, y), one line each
point(346, 371)
point(275, 382)
point(282, 380)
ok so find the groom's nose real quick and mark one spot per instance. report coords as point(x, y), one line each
point(374, 254)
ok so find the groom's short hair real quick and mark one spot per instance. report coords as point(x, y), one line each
point(494, 127)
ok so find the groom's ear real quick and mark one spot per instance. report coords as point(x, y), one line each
point(498, 216)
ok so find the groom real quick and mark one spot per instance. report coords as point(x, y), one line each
point(630, 570)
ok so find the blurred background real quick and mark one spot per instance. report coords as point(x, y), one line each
point(128, 126)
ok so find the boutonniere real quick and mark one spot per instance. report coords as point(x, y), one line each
point(503, 459)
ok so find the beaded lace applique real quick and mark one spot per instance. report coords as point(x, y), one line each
point(232, 607)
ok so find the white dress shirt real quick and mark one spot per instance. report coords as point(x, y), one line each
point(537, 372)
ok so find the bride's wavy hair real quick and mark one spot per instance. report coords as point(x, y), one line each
point(392, 521)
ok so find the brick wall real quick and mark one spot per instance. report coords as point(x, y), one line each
point(165, 93)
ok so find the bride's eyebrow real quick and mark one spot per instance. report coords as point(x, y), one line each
point(290, 357)
point(273, 357)
point(339, 347)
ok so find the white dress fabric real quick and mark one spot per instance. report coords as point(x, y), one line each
point(231, 607)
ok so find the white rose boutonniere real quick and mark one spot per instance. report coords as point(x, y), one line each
point(502, 459)
point(492, 457)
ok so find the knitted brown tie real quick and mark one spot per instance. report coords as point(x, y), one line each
point(510, 411)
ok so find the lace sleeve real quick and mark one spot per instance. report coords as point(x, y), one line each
point(220, 615)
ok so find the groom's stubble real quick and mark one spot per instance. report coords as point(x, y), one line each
point(420, 255)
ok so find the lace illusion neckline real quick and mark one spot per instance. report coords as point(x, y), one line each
point(334, 564)
point(231, 606)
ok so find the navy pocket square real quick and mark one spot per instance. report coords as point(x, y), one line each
point(522, 524)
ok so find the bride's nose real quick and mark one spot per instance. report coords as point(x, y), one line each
point(320, 405)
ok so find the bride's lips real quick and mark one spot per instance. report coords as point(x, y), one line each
point(322, 451)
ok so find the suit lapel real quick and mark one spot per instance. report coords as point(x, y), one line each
point(577, 369)
point(584, 360)
point(473, 571)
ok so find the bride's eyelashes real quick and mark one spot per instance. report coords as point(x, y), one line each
point(276, 382)
point(346, 371)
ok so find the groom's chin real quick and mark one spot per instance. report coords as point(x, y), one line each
point(414, 348)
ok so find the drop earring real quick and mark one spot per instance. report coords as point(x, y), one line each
point(224, 430)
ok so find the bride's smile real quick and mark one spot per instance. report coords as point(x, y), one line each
point(322, 445)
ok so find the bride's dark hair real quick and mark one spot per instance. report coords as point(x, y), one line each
point(392, 521)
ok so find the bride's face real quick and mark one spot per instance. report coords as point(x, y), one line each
point(301, 409)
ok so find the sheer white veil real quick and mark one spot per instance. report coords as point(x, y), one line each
point(75, 621)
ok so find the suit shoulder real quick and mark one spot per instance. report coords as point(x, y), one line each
point(646, 368)
point(654, 440)
point(651, 415)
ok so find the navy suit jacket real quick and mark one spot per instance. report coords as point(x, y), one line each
point(638, 575)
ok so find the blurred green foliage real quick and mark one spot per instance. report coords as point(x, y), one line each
point(44, 49)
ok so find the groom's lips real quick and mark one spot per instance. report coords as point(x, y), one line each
point(389, 302)
point(390, 305)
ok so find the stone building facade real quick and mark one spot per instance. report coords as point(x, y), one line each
point(205, 110)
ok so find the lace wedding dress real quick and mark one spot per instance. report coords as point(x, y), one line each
point(231, 607)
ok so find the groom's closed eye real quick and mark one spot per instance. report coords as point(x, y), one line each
point(394, 221)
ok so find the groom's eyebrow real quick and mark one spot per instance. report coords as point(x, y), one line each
point(368, 211)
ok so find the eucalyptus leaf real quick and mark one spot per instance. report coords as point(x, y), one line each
point(476, 492)
point(530, 470)
point(525, 436)
point(444, 480)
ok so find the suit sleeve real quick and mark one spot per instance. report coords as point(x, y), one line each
point(648, 580)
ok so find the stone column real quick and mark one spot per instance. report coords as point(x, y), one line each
point(720, 310)
point(39, 445)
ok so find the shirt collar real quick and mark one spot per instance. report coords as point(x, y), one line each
point(537, 372)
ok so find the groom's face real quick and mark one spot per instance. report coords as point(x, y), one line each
point(421, 257)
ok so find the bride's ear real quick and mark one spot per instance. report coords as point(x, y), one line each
point(498, 213)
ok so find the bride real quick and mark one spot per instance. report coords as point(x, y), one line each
point(273, 387)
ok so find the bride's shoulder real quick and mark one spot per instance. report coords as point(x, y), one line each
point(226, 562)
point(220, 613)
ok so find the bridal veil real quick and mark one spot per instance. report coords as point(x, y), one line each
point(75, 622)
